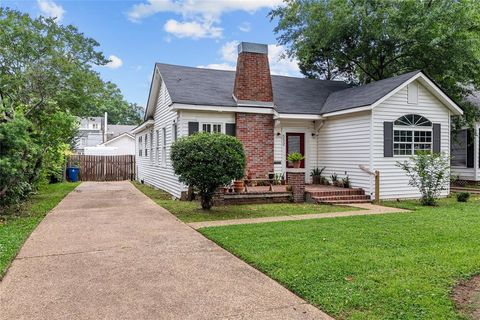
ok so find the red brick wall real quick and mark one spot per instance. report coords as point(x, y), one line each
point(297, 181)
point(255, 131)
point(252, 78)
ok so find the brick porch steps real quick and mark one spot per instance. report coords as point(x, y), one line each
point(332, 195)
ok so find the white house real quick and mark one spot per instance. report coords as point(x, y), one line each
point(124, 144)
point(334, 125)
point(97, 137)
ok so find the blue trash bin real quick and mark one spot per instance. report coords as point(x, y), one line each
point(72, 174)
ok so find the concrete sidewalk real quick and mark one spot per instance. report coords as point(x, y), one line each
point(368, 209)
point(109, 252)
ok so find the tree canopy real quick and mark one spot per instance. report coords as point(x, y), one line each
point(46, 80)
point(367, 40)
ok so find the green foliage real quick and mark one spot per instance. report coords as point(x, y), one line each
point(346, 182)
point(364, 41)
point(46, 80)
point(390, 266)
point(21, 221)
point(429, 172)
point(463, 196)
point(207, 161)
point(295, 156)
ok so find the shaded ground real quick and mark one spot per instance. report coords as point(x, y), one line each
point(466, 296)
point(108, 252)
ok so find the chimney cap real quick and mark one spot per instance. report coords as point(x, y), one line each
point(252, 47)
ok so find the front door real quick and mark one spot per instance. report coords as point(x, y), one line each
point(295, 143)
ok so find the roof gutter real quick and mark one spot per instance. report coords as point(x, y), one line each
point(143, 126)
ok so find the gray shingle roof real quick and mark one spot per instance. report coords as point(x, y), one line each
point(114, 130)
point(364, 95)
point(199, 86)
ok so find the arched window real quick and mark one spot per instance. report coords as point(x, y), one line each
point(412, 134)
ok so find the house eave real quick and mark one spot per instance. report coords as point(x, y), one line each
point(195, 107)
point(144, 125)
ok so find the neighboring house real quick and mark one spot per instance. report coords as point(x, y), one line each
point(332, 124)
point(97, 137)
point(91, 132)
point(465, 150)
point(123, 144)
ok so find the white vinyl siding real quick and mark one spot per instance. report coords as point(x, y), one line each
point(154, 173)
point(281, 128)
point(393, 181)
point(164, 147)
point(344, 145)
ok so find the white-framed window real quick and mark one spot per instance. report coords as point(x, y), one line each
point(459, 148)
point(174, 132)
point(158, 147)
point(212, 127)
point(151, 146)
point(95, 125)
point(164, 146)
point(412, 133)
point(146, 145)
point(140, 146)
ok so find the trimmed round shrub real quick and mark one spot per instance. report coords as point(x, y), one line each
point(463, 196)
point(207, 161)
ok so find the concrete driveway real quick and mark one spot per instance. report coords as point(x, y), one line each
point(109, 252)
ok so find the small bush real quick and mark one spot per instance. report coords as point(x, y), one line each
point(430, 173)
point(208, 161)
point(346, 182)
point(463, 196)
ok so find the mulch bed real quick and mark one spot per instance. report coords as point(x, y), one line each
point(466, 296)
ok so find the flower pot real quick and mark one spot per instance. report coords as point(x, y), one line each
point(296, 164)
point(238, 186)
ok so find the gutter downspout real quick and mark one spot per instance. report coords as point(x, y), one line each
point(317, 130)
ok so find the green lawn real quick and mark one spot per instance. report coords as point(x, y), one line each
point(393, 266)
point(190, 211)
point(15, 227)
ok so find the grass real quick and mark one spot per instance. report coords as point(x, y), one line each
point(190, 211)
point(15, 227)
point(393, 266)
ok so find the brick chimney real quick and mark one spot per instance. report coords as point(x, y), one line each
point(253, 86)
point(252, 79)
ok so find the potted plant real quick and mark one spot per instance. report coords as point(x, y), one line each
point(238, 186)
point(296, 159)
point(316, 175)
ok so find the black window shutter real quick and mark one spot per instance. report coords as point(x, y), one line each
point(388, 139)
point(192, 128)
point(470, 149)
point(230, 129)
point(437, 137)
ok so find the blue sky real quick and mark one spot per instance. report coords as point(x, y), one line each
point(136, 34)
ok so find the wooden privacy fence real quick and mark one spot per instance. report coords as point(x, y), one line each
point(104, 168)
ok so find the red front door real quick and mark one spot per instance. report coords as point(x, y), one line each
point(295, 143)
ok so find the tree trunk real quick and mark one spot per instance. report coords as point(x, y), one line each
point(206, 201)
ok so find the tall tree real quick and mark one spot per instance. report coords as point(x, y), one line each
point(366, 40)
point(46, 79)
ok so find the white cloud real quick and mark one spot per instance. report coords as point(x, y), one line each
point(229, 51)
point(193, 29)
point(50, 9)
point(218, 66)
point(245, 27)
point(212, 9)
point(200, 18)
point(115, 62)
point(279, 63)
